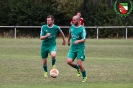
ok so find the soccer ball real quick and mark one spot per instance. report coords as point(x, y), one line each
point(54, 73)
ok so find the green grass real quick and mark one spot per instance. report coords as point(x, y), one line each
point(109, 64)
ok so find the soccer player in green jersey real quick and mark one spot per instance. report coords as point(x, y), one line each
point(48, 37)
point(77, 34)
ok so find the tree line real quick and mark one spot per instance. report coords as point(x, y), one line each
point(34, 13)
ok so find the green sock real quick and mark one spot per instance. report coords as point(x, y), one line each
point(76, 66)
point(84, 73)
point(45, 68)
point(53, 61)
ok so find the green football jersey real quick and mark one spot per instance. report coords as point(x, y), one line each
point(51, 40)
point(77, 33)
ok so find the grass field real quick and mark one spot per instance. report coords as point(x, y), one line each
point(109, 64)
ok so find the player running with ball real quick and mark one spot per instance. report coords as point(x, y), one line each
point(77, 49)
point(48, 37)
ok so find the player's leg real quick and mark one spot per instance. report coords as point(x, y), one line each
point(44, 55)
point(71, 63)
point(53, 55)
point(45, 67)
point(70, 58)
point(82, 68)
point(81, 58)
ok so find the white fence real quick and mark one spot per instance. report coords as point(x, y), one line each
point(96, 27)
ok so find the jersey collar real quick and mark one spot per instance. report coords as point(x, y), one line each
point(51, 27)
point(77, 27)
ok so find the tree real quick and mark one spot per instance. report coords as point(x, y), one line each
point(68, 8)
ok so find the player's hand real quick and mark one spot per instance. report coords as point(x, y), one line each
point(48, 34)
point(76, 42)
point(64, 43)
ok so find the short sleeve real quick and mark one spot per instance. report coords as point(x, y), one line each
point(69, 30)
point(83, 20)
point(59, 29)
point(83, 34)
point(42, 31)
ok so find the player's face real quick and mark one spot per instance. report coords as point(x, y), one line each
point(50, 21)
point(79, 14)
point(75, 21)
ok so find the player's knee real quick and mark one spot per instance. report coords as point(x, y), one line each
point(44, 62)
point(79, 64)
point(69, 61)
point(53, 56)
